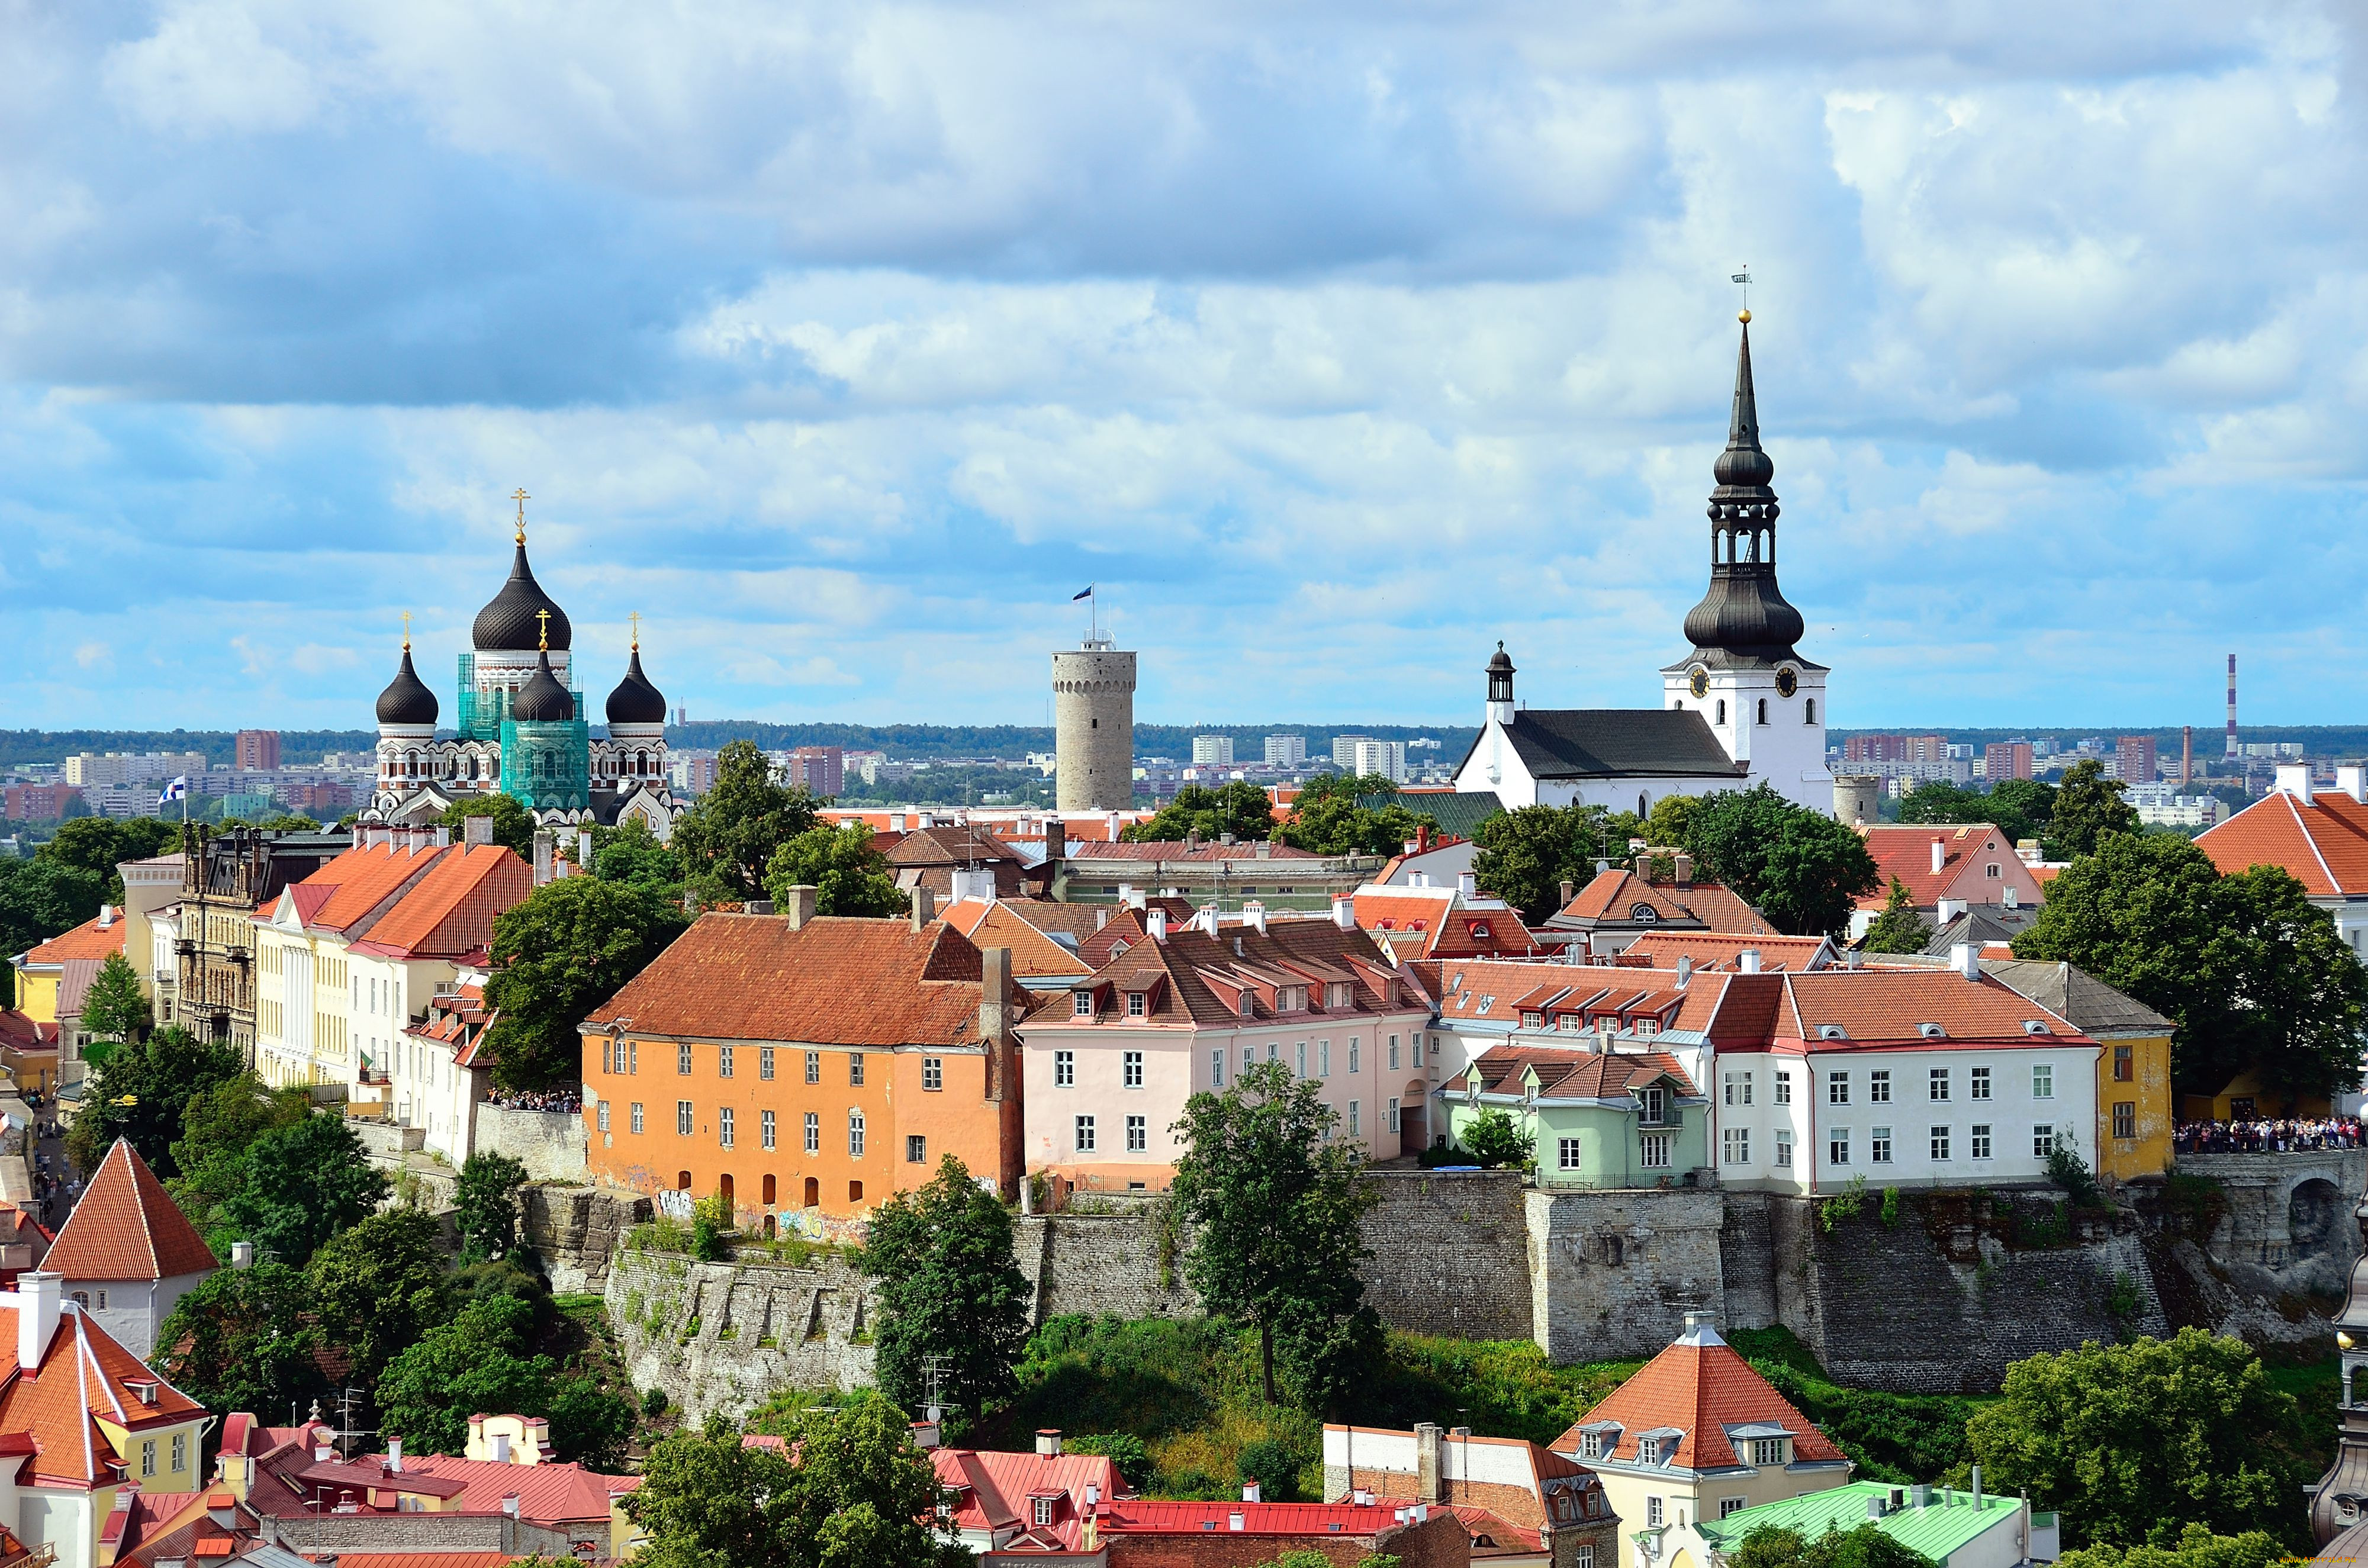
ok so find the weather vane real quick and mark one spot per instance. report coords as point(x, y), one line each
point(521, 497)
point(542, 624)
point(1743, 278)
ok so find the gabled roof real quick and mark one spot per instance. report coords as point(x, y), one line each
point(992, 922)
point(1137, 1518)
point(83, 1374)
point(1904, 850)
point(94, 940)
point(125, 1226)
point(1458, 812)
point(1193, 979)
point(2322, 845)
point(1983, 924)
point(949, 845)
point(362, 882)
point(450, 911)
point(1441, 922)
point(992, 1489)
point(1618, 897)
point(1571, 1075)
point(835, 981)
point(1892, 1006)
point(2088, 1003)
point(1615, 742)
point(1714, 949)
point(1698, 1388)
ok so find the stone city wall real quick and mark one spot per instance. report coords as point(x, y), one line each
point(724, 1335)
point(549, 1144)
point(1612, 1274)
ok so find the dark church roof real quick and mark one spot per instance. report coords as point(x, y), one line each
point(635, 700)
point(1615, 742)
point(542, 700)
point(510, 624)
point(406, 699)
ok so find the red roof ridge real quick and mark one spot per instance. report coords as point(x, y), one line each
point(123, 1201)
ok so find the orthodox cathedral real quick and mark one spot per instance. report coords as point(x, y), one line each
point(519, 726)
point(1740, 709)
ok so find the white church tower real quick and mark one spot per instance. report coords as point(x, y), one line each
point(1764, 702)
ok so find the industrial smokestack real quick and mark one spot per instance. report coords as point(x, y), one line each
point(2186, 755)
point(2232, 705)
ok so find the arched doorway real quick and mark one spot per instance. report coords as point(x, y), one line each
point(724, 1186)
point(1414, 1120)
point(814, 1192)
point(770, 1200)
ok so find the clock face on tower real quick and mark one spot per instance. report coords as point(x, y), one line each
point(1787, 682)
point(1699, 682)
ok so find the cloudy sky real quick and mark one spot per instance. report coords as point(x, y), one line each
point(1334, 342)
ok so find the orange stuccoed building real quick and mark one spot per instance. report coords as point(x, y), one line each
point(806, 1065)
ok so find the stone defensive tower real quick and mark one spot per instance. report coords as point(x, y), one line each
point(1093, 727)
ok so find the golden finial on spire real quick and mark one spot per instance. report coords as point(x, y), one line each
point(636, 619)
point(521, 497)
point(542, 623)
point(406, 631)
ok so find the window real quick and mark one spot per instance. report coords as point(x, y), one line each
point(1838, 1088)
point(1722, 719)
point(637, 1117)
point(148, 1457)
point(1838, 1146)
point(1767, 1450)
point(1354, 1129)
point(2124, 1067)
point(2042, 1140)
point(604, 1115)
point(1736, 1142)
point(1979, 1081)
point(2043, 1081)
point(1131, 1070)
point(682, 1060)
point(855, 1135)
point(933, 1073)
point(813, 1066)
point(1249, 1056)
point(1938, 1087)
point(1303, 1059)
point(1324, 1059)
point(1065, 1069)
point(1978, 1141)
point(1784, 1087)
point(682, 1118)
point(2126, 1119)
point(1085, 1143)
point(1656, 1151)
point(765, 1132)
point(1729, 1505)
point(765, 1063)
point(1653, 1505)
point(1566, 1155)
point(180, 1450)
point(855, 1069)
point(917, 1149)
point(1784, 1148)
point(1655, 1103)
point(1394, 1053)
point(1081, 1006)
point(1216, 1069)
point(1878, 1088)
point(1738, 1088)
point(608, 1055)
point(1044, 1510)
point(1416, 1043)
point(1138, 1134)
point(1809, 712)
point(1134, 1003)
point(723, 1061)
point(813, 1132)
point(724, 1127)
point(1939, 1144)
point(1352, 1056)
point(1878, 1145)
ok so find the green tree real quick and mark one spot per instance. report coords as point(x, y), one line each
point(1672, 820)
point(2022, 807)
point(2088, 807)
point(1938, 801)
point(1238, 807)
point(2252, 971)
point(379, 1284)
point(2128, 1439)
point(1274, 1200)
point(948, 1287)
point(303, 1184)
point(244, 1339)
point(558, 955)
point(1526, 855)
point(1865, 1546)
point(115, 1009)
point(482, 1361)
point(631, 853)
point(512, 824)
point(729, 836)
point(1492, 1140)
point(848, 874)
point(2194, 1547)
point(1801, 868)
point(1326, 820)
point(39, 899)
point(1899, 929)
point(159, 1076)
point(216, 1128)
point(486, 1198)
point(97, 846)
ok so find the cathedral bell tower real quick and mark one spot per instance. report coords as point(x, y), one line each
point(1764, 702)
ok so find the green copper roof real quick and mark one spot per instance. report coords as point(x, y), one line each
point(1458, 817)
point(1948, 1522)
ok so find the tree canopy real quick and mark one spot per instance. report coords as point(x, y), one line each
point(379, 1284)
point(1899, 929)
point(512, 824)
point(1326, 820)
point(303, 1183)
point(630, 852)
point(1800, 868)
point(560, 953)
point(1274, 1200)
point(39, 899)
point(2252, 971)
point(1864, 1546)
point(2088, 807)
point(729, 835)
point(1239, 808)
point(849, 875)
point(217, 1127)
point(244, 1339)
point(159, 1075)
point(97, 846)
point(1526, 855)
point(115, 1009)
point(2196, 1547)
point(2125, 1439)
point(485, 1199)
point(482, 1361)
point(948, 1287)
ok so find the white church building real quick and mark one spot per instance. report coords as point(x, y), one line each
point(1741, 709)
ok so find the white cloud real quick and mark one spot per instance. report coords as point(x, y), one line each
point(208, 68)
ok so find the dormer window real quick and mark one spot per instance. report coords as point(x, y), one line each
point(1082, 1007)
point(1245, 1004)
point(1648, 1026)
point(1480, 929)
point(1044, 1510)
point(1336, 993)
point(1533, 1020)
point(1134, 1003)
point(1770, 1452)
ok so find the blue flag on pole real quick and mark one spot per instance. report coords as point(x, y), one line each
point(178, 790)
point(1081, 592)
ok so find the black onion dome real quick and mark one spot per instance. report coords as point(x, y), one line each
point(1744, 616)
point(406, 699)
point(635, 700)
point(509, 623)
point(1500, 664)
point(542, 700)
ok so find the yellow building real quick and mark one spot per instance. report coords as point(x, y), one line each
point(2135, 1107)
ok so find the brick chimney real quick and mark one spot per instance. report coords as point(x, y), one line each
point(800, 907)
point(1004, 1085)
point(925, 908)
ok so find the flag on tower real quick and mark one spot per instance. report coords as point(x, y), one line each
point(1083, 592)
point(178, 790)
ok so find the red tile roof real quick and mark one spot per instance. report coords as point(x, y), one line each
point(2324, 844)
point(125, 1226)
point(997, 924)
point(1891, 1006)
point(1138, 1518)
point(88, 940)
point(832, 982)
point(450, 911)
point(1615, 897)
point(83, 1375)
point(1164, 851)
point(992, 1490)
point(1193, 979)
point(1699, 1386)
point(1446, 924)
point(1904, 850)
point(360, 882)
point(1715, 949)
point(950, 846)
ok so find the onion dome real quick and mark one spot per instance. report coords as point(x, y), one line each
point(406, 699)
point(512, 622)
point(1744, 617)
point(542, 700)
point(635, 700)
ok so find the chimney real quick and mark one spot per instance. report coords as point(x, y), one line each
point(1056, 847)
point(895, 821)
point(511, 1502)
point(1429, 1453)
point(1047, 1442)
point(107, 913)
point(1747, 960)
point(800, 907)
point(543, 845)
point(2293, 779)
point(757, 906)
point(994, 992)
point(1949, 909)
point(925, 908)
point(443, 837)
point(1977, 1486)
point(242, 1254)
point(1467, 884)
point(925, 1435)
point(1250, 1491)
point(477, 830)
point(2353, 780)
point(1111, 824)
point(40, 1297)
point(1344, 912)
point(394, 1456)
point(1254, 917)
point(1966, 959)
point(1682, 866)
point(977, 882)
point(1685, 969)
point(1939, 856)
point(1155, 924)
point(1206, 919)
point(1875, 1506)
point(1568, 891)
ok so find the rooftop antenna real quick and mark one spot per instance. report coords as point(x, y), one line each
point(346, 1430)
point(933, 1372)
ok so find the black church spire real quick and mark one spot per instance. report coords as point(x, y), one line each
point(1743, 618)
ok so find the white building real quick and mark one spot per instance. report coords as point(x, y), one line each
point(1741, 709)
point(437, 1073)
point(2162, 805)
point(1286, 751)
point(128, 1254)
point(1216, 751)
point(1344, 749)
point(1386, 758)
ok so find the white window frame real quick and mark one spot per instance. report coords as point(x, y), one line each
point(1784, 1148)
point(1138, 1134)
point(813, 1132)
point(1784, 1086)
point(1570, 1153)
point(1738, 1145)
point(1977, 1083)
point(1838, 1088)
point(2043, 1080)
point(1131, 1070)
point(1065, 1069)
point(1878, 1146)
point(854, 1132)
point(1085, 1135)
point(1941, 1141)
point(767, 1129)
point(1838, 1146)
point(1878, 1087)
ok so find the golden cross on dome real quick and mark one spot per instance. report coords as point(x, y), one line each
point(406, 631)
point(521, 497)
point(636, 619)
point(542, 622)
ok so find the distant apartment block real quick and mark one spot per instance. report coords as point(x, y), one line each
point(822, 770)
point(2134, 759)
point(37, 802)
point(258, 751)
point(1384, 757)
point(693, 773)
point(1896, 748)
point(1344, 750)
point(1286, 751)
point(1213, 751)
point(2163, 805)
point(2007, 759)
point(2271, 749)
point(91, 770)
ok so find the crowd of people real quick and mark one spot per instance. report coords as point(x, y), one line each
point(566, 1100)
point(2254, 1135)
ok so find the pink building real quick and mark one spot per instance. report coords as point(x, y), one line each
point(2134, 759)
point(2007, 759)
point(822, 770)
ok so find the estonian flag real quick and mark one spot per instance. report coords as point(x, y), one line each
point(178, 790)
point(1084, 593)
